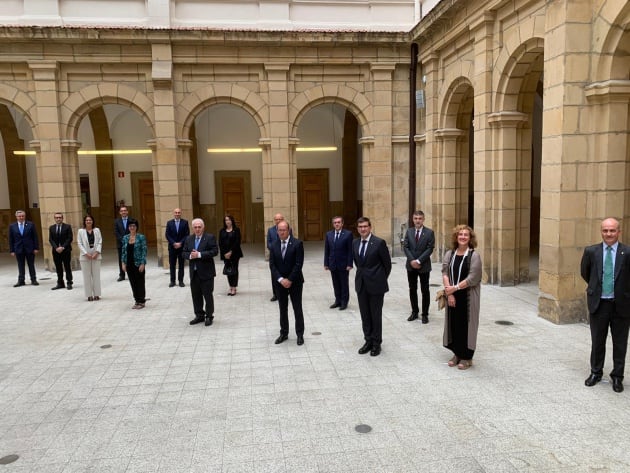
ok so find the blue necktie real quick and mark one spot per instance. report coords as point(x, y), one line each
point(21, 229)
point(608, 285)
point(176, 226)
point(363, 247)
point(197, 240)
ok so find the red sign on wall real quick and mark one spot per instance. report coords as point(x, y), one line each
point(121, 174)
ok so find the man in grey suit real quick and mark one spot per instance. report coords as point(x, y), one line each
point(373, 263)
point(418, 244)
point(606, 268)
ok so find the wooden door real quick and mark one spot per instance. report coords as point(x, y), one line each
point(312, 203)
point(147, 211)
point(233, 199)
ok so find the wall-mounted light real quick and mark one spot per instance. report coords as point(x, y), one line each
point(309, 149)
point(234, 150)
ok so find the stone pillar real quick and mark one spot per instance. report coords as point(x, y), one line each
point(279, 167)
point(447, 183)
point(484, 38)
point(171, 160)
point(507, 252)
point(377, 165)
point(57, 164)
point(564, 204)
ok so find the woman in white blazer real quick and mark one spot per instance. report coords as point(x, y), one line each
point(90, 244)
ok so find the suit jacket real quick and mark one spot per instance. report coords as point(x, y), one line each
point(291, 266)
point(23, 244)
point(419, 251)
point(592, 271)
point(176, 236)
point(63, 239)
point(338, 255)
point(374, 269)
point(84, 244)
point(272, 236)
point(208, 249)
point(120, 231)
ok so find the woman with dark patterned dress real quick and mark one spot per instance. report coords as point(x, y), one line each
point(230, 251)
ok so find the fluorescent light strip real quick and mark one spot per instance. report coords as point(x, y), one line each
point(316, 148)
point(234, 150)
point(94, 152)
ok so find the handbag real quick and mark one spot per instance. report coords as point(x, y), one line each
point(229, 269)
point(441, 299)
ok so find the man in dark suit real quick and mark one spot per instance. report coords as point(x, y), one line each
point(176, 232)
point(338, 260)
point(373, 263)
point(286, 258)
point(200, 249)
point(120, 230)
point(606, 269)
point(60, 239)
point(24, 245)
point(418, 244)
point(272, 237)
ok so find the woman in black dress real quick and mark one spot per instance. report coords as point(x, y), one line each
point(230, 251)
point(461, 275)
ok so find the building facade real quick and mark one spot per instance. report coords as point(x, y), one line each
point(522, 121)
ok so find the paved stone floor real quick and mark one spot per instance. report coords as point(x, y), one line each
point(170, 397)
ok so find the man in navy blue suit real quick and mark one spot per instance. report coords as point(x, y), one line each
point(24, 245)
point(338, 260)
point(176, 232)
point(374, 264)
point(418, 244)
point(272, 237)
point(286, 258)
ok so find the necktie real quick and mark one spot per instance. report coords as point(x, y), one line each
point(21, 229)
point(362, 251)
point(58, 230)
point(336, 236)
point(176, 226)
point(417, 235)
point(125, 223)
point(608, 285)
point(197, 239)
point(284, 248)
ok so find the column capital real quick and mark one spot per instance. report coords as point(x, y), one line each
point(367, 141)
point(70, 145)
point(608, 91)
point(152, 144)
point(449, 134)
point(507, 119)
point(44, 70)
point(184, 144)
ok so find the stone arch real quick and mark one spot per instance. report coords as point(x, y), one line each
point(453, 102)
point(612, 62)
point(352, 99)
point(195, 102)
point(77, 105)
point(13, 97)
point(519, 73)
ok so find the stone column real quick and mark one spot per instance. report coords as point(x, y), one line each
point(57, 164)
point(171, 160)
point(447, 185)
point(565, 207)
point(377, 165)
point(279, 167)
point(507, 252)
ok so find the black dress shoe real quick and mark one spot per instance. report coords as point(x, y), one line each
point(34, 283)
point(376, 350)
point(69, 286)
point(120, 278)
point(300, 340)
point(335, 305)
point(273, 299)
point(171, 284)
point(281, 339)
point(196, 320)
point(593, 379)
point(413, 316)
point(425, 319)
point(209, 320)
point(181, 284)
point(343, 307)
point(58, 286)
point(19, 283)
point(365, 348)
point(617, 385)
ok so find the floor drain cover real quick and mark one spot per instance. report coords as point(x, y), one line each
point(363, 428)
point(106, 346)
point(504, 322)
point(8, 459)
point(316, 333)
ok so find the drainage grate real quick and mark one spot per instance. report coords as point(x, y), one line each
point(106, 346)
point(504, 322)
point(363, 428)
point(8, 459)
